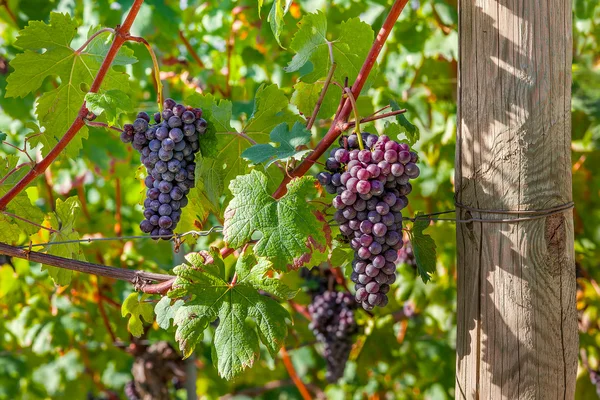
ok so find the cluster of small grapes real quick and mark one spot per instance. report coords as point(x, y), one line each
point(371, 187)
point(333, 324)
point(167, 150)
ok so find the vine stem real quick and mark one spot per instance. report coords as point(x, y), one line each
point(338, 122)
point(313, 116)
point(350, 124)
point(101, 31)
point(191, 50)
point(121, 36)
point(356, 118)
point(292, 372)
point(138, 278)
point(159, 88)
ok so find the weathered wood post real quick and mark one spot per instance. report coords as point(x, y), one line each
point(517, 326)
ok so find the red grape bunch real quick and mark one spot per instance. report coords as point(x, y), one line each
point(167, 149)
point(333, 324)
point(371, 186)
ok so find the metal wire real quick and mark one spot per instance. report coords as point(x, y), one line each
point(214, 229)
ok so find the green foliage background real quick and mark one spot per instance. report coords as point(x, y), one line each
point(53, 343)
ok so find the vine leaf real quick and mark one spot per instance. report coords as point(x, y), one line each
point(165, 311)
point(290, 227)
point(63, 221)
point(349, 49)
point(288, 141)
point(111, 102)
point(306, 95)
point(136, 306)
point(56, 109)
point(423, 247)
point(403, 128)
point(275, 18)
point(211, 295)
point(11, 228)
point(221, 159)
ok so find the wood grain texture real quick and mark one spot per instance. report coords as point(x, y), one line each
point(517, 328)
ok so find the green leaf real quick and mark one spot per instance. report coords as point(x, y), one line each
point(410, 131)
point(210, 296)
point(423, 248)
point(217, 167)
point(56, 109)
point(349, 49)
point(289, 226)
point(306, 95)
point(165, 311)
point(63, 221)
point(288, 142)
point(11, 228)
point(110, 102)
point(138, 308)
point(275, 18)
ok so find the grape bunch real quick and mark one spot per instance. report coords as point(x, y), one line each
point(167, 148)
point(371, 186)
point(333, 324)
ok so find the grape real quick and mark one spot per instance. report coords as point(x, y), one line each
point(371, 187)
point(188, 117)
point(201, 125)
point(146, 226)
point(333, 324)
point(165, 222)
point(179, 109)
point(126, 138)
point(140, 125)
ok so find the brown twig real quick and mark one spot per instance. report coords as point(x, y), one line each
point(300, 309)
point(344, 113)
point(138, 278)
point(313, 116)
point(292, 372)
point(121, 36)
point(191, 50)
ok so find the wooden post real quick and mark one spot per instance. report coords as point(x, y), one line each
point(517, 326)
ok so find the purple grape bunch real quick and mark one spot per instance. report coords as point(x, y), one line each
point(167, 147)
point(333, 324)
point(371, 186)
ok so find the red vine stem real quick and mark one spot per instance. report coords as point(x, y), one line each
point(292, 372)
point(342, 116)
point(121, 36)
point(313, 116)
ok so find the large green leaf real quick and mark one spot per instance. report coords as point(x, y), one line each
point(349, 49)
point(57, 108)
point(209, 294)
point(290, 228)
point(423, 248)
point(288, 141)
